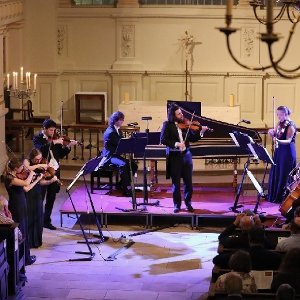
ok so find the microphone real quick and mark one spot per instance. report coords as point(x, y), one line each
point(133, 124)
point(146, 118)
point(246, 121)
point(243, 121)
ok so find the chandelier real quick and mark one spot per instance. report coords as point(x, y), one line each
point(21, 88)
point(292, 8)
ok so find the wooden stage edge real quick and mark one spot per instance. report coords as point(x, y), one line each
point(212, 207)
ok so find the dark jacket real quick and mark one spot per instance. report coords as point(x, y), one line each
point(59, 151)
point(237, 239)
point(169, 136)
point(291, 278)
point(111, 140)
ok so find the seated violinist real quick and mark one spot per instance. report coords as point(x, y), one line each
point(179, 158)
point(52, 149)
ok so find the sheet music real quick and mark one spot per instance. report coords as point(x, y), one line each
point(252, 151)
point(255, 182)
point(263, 279)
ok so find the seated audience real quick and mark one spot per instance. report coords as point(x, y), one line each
point(261, 258)
point(289, 271)
point(240, 263)
point(293, 241)
point(233, 286)
point(5, 215)
point(238, 239)
point(285, 292)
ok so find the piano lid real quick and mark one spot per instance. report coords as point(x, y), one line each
point(221, 129)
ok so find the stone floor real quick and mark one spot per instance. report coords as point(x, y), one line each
point(173, 263)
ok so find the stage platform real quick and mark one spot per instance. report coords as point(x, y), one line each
point(211, 204)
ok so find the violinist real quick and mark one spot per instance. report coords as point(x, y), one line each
point(284, 135)
point(52, 149)
point(179, 158)
point(34, 198)
point(18, 180)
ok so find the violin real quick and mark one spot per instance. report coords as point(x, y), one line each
point(23, 175)
point(66, 140)
point(48, 173)
point(193, 125)
point(281, 128)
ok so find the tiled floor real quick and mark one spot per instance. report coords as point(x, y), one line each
point(174, 263)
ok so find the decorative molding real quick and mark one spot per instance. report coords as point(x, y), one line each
point(62, 33)
point(248, 35)
point(11, 11)
point(127, 41)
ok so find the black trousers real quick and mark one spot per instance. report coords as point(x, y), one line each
point(50, 191)
point(124, 170)
point(180, 165)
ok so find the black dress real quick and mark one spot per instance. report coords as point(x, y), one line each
point(17, 205)
point(285, 162)
point(35, 216)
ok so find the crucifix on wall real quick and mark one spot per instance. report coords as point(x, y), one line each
point(188, 44)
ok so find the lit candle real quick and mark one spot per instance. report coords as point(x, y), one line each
point(29, 80)
point(26, 80)
point(21, 74)
point(7, 81)
point(16, 80)
point(229, 4)
point(231, 100)
point(34, 82)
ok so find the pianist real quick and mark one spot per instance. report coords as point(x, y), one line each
point(111, 138)
point(179, 158)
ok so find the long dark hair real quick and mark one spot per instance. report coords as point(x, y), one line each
point(285, 109)
point(115, 117)
point(171, 112)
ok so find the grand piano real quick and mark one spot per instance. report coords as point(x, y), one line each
point(215, 145)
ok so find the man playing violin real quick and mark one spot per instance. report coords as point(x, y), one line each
point(179, 158)
point(52, 150)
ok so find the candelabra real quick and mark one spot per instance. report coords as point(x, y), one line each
point(21, 88)
point(269, 37)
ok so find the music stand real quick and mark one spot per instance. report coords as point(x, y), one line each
point(153, 138)
point(131, 146)
point(241, 140)
point(261, 153)
point(87, 168)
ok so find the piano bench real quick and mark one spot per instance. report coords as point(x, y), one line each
point(104, 172)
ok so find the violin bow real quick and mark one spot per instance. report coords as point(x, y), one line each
point(274, 125)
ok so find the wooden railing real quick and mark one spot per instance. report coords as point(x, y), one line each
point(19, 136)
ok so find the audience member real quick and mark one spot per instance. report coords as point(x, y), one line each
point(240, 263)
point(233, 286)
point(293, 241)
point(285, 292)
point(238, 239)
point(261, 258)
point(289, 271)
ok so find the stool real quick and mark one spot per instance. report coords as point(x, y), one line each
point(104, 172)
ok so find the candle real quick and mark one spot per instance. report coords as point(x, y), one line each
point(16, 80)
point(270, 16)
point(7, 81)
point(21, 74)
point(229, 4)
point(29, 80)
point(34, 82)
point(231, 100)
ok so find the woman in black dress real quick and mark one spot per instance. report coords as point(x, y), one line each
point(18, 180)
point(35, 199)
point(284, 158)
